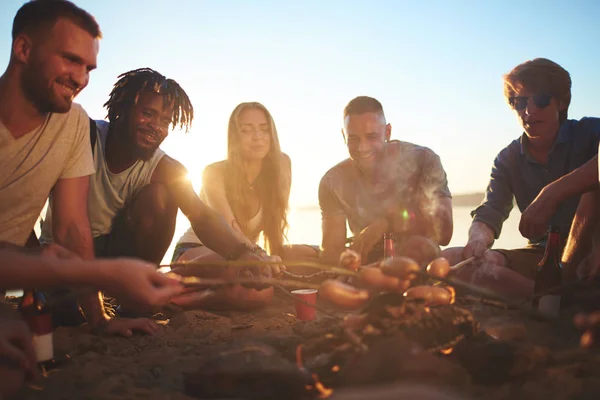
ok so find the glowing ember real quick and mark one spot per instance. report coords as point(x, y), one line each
point(324, 392)
point(452, 294)
point(335, 368)
point(447, 351)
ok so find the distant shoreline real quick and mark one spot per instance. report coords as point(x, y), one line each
point(458, 200)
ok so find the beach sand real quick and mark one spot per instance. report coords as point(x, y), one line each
point(152, 367)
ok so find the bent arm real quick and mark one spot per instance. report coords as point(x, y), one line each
point(71, 229)
point(577, 182)
point(438, 220)
point(213, 190)
point(579, 242)
point(210, 227)
point(495, 207)
point(334, 238)
point(480, 231)
point(24, 271)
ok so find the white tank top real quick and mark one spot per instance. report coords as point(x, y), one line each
point(254, 226)
point(109, 192)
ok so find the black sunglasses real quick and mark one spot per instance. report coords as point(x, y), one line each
point(519, 103)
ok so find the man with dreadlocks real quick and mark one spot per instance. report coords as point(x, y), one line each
point(137, 188)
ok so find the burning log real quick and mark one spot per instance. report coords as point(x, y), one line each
point(432, 329)
point(246, 370)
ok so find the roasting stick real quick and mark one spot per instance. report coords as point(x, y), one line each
point(461, 264)
point(203, 283)
point(249, 263)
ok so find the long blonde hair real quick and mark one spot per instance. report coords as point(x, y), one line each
point(270, 183)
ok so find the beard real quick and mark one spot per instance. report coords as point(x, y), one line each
point(145, 154)
point(36, 88)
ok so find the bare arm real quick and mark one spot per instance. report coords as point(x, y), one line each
point(210, 227)
point(71, 229)
point(334, 238)
point(579, 242)
point(25, 271)
point(213, 189)
point(132, 280)
point(480, 231)
point(535, 218)
point(581, 180)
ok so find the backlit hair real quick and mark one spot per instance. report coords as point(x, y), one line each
point(271, 184)
point(126, 92)
point(361, 105)
point(37, 15)
point(541, 76)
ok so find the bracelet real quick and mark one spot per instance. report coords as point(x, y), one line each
point(259, 250)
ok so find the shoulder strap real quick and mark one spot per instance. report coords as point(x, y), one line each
point(93, 134)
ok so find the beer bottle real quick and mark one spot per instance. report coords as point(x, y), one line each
point(388, 245)
point(32, 308)
point(549, 276)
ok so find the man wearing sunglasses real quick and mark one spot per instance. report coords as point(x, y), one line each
point(545, 170)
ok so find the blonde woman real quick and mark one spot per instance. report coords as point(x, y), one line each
point(250, 189)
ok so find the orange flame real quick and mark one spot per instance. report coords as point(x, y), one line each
point(447, 351)
point(324, 392)
point(452, 294)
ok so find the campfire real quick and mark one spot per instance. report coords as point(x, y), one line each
point(426, 333)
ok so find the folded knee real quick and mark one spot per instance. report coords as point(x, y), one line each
point(154, 207)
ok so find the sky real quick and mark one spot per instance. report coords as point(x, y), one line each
point(436, 66)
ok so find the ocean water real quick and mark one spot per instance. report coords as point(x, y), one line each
point(305, 227)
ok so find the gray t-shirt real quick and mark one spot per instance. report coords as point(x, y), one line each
point(412, 177)
point(109, 193)
point(31, 165)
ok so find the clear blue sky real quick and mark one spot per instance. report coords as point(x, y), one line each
point(436, 66)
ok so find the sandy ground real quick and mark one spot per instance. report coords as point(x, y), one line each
point(152, 367)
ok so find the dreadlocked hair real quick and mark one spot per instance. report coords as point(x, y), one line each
point(126, 92)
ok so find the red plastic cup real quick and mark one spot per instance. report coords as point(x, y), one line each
point(305, 312)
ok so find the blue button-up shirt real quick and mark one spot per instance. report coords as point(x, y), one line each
point(515, 174)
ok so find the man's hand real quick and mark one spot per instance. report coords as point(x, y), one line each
point(475, 248)
point(137, 284)
point(57, 251)
point(535, 218)
point(126, 326)
point(369, 237)
point(16, 343)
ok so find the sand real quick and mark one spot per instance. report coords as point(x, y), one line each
point(152, 367)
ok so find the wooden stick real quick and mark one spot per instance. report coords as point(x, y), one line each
point(462, 264)
point(203, 282)
point(244, 263)
point(488, 294)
